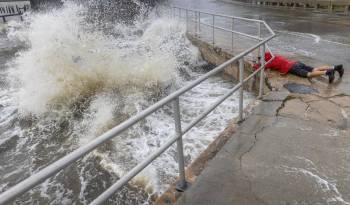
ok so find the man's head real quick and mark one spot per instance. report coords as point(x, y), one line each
point(268, 56)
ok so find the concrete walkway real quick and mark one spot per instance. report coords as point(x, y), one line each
point(292, 149)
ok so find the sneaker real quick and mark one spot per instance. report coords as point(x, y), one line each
point(330, 74)
point(339, 69)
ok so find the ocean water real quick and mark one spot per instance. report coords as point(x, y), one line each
point(75, 77)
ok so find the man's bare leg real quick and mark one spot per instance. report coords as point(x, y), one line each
point(328, 72)
point(323, 68)
point(316, 73)
point(338, 68)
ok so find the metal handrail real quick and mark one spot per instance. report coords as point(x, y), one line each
point(235, 32)
point(19, 13)
point(198, 22)
point(221, 15)
point(65, 161)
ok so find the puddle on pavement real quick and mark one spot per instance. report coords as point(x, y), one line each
point(299, 88)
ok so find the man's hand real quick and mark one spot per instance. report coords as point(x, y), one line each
point(252, 63)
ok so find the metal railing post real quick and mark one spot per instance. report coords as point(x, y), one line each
point(182, 184)
point(259, 35)
point(213, 30)
point(20, 14)
point(241, 78)
point(199, 23)
point(186, 19)
point(4, 19)
point(233, 22)
point(262, 76)
point(196, 26)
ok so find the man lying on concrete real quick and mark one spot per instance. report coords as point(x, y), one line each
point(284, 66)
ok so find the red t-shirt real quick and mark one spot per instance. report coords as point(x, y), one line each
point(279, 63)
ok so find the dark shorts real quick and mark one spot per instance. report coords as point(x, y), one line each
point(300, 69)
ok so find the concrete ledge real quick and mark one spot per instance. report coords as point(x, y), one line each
point(289, 157)
point(217, 56)
point(279, 154)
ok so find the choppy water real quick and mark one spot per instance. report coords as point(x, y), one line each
point(76, 78)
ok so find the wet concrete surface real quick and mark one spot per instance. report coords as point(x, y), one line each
point(314, 38)
point(299, 88)
point(293, 148)
point(329, 27)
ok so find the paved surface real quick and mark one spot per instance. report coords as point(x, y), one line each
point(293, 149)
point(314, 38)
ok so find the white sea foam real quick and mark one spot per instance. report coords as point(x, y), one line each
point(328, 186)
point(65, 60)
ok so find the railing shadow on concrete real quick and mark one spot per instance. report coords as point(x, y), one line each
point(173, 98)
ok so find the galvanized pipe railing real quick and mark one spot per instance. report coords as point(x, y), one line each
point(72, 157)
point(231, 30)
point(19, 13)
point(198, 22)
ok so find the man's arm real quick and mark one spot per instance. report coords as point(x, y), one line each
point(254, 65)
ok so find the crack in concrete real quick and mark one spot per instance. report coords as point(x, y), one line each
point(269, 100)
point(263, 128)
point(307, 102)
point(342, 124)
point(330, 97)
point(255, 140)
point(284, 101)
point(249, 149)
point(307, 108)
point(254, 194)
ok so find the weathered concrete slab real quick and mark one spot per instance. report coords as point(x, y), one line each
point(267, 108)
point(276, 95)
point(300, 162)
point(343, 101)
point(294, 107)
point(299, 88)
point(292, 149)
point(217, 183)
point(254, 123)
